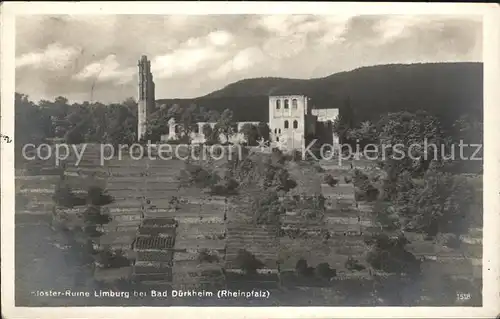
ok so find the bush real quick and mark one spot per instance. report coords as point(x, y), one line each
point(91, 231)
point(205, 256)
point(330, 180)
point(108, 259)
point(64, 196)
point(96, 196)
point(174, 203)
point(366, 190)
point(93, 216)
point(453, 242)
point(278, 178)
point(302, 269)
point(267, 208)
point(225, 187)
point(388, 254)
point(247, 262)
point(195, 175)
point(353, 264)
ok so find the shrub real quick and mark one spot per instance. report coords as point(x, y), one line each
point(93, 216)
point(195, 175)
point(96, 196)
point(205, 256)
point(323, 270)
point(225, 187)
point(353, 264)
point(330, 180)
point(174, 203)
point(91, 231)
point(301, 266)
point(389, 255)
point(247, 262)
point(453, 242)
point(302, 269)
point(108, 259)
point(267, 208)
point(278, 178)
point(63, 196)
point(365, 189)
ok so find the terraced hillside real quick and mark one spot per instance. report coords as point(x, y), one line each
point(202, 235)
point(39, 251)
point(147, 190)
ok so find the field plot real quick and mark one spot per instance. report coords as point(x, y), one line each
point(334, 251)
point(153, 248)
point(111, 275)
point(117, 240)
point(201, 231)
point(262, 280)
point(340, 191)
point(260, 240)
point(191, 274)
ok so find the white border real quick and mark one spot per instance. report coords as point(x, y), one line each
point(491, 51)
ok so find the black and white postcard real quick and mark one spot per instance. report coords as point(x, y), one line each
point(257, 160)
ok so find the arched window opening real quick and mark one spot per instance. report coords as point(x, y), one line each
point(286, 124)
point(286, 104)
point(295, 124)
point(294, 104)
point(275, 131)
point(278, 104)
point(279, 131)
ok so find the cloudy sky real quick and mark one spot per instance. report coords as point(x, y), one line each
point(83, 57)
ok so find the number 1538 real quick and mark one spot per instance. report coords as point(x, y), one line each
point(462, 296)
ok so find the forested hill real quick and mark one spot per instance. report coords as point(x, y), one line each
point(447, 90)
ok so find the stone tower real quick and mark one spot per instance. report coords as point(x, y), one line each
point(288, 117)
point(146, 96)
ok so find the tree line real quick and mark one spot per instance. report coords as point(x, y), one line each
point(116, 123)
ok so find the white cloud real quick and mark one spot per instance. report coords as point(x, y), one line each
point(284, 47)
point(192, 55)
point(184, 61)
point(106, 69)
point(333, 28)
point(291, 33)
point(281, 25)
point(243, 60)
point(395, 27)
point(54, 57)
point(220, 38)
